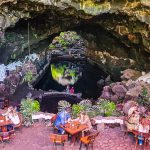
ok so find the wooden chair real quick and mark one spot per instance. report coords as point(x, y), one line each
point(94, 125)
point(146, 137)
point(88, 140)
point(2, 118)
point(4, 134)
point(52, 122)
point(1, 141)
point(58, 139)
point(53, 119)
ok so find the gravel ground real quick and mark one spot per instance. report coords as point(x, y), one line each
point(37, 138)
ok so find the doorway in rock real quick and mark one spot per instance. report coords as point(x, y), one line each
point(81, 75)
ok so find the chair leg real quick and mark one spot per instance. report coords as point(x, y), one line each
point(80, 146)
point(87, 146)
point(136, 143)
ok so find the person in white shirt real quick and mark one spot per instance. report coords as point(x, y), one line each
point(13, 116)
point(84, 119)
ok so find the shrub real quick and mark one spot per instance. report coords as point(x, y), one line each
point(144, 99)
point(76, 110)
point(28, 77)
point(52, 46)
point(28, 107)
point(107, 107)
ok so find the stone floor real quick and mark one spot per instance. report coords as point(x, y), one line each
point(37, 138)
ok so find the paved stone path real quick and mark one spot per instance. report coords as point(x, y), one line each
point(37, 138)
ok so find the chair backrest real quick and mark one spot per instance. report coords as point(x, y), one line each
point(146, 135)
point(56, 138)
point(92, 137)
point(2, 118)
point(53, 118)
point(92, 122)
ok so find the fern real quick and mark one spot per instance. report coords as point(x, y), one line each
point(63, 104)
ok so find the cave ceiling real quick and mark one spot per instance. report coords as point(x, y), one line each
point(126, 20)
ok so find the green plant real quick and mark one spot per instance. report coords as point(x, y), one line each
point(62, 34)
point(144, 92)
point(28, 107)
point(52, 46)
point(63, 104)
point(107, 107)
point(76, 110)
point(28, 77)
point(93, 111)
point(144, 99)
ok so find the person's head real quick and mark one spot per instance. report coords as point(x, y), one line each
point(10, 109)
point(68, 109)
point(143, 121)
point(82, 113)
point(135, 109)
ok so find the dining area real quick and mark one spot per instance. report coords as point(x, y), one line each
point(5, 134)
point(75, 131)
point(80, 131)
point(10, 120)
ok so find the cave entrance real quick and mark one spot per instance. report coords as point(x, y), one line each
point(77, 72)
point(82, 76)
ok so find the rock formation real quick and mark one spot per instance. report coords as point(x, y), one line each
point(125, 24)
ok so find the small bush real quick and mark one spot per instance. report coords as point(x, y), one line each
point(107, 107)
point(76, 110)
point(28, 107)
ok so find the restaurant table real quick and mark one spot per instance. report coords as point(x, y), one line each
point(74, 129)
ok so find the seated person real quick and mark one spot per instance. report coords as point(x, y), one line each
point(143, 126)
point(84, 119)
point(132, 119)
point(62, 118)
point(12, 115)
point(7, 112)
